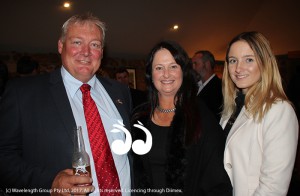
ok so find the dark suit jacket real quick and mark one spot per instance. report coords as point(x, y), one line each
point(36, 129)
point(200, 165)
point(211, 94)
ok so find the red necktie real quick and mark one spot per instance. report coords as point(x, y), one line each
point(106, 172)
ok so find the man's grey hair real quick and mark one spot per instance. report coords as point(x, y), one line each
point(81, 19)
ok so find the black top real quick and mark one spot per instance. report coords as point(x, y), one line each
point(196, 169)
point(239, 101)
point(158, 154)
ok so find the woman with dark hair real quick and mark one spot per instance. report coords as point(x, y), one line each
point(188, 143)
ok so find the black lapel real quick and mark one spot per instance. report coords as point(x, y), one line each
point(62, 103)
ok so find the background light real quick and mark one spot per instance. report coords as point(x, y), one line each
point(67, 5)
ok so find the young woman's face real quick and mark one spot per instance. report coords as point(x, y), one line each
point(242, 65)
point(166, 73)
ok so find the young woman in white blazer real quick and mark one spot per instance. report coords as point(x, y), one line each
point(261, 124)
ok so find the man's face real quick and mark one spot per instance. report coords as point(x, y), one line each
point(123, 78)
point(199, 65)
point(82, 51)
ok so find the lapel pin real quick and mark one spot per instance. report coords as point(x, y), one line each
point(119, 101)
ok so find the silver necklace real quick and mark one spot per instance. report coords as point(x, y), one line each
point(165, 110)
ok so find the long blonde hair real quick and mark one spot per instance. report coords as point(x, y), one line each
point(260, 97)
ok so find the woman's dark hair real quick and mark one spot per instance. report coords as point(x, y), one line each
point(186, 96)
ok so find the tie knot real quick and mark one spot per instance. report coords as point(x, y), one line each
point(85, 88)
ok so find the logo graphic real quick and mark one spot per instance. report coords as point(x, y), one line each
point(139, 146)
point(80, 170)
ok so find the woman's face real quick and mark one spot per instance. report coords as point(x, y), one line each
point(242, 65)
point(166, 73)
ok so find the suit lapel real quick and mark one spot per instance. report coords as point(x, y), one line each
point(60, 97)
point(117, 99)
point(236, 127)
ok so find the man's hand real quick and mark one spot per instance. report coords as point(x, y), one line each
point(66, 183)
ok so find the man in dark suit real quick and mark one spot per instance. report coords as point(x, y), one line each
point(138, 96)
point(210, 86)
point(38, 116)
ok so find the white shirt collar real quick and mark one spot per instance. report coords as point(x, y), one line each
point(74, 84)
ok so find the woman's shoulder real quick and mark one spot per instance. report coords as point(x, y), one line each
point(281, 106)
point(281, 110)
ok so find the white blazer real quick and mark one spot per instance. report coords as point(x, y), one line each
point(259, 157)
